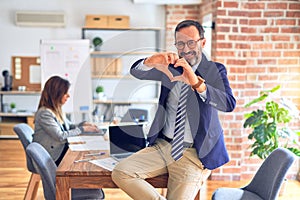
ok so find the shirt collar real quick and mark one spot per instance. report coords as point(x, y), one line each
point(194, 67)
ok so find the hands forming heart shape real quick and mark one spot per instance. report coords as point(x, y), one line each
point(176, 69)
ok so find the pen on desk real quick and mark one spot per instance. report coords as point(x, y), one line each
point(83, 160)
point(95, 154)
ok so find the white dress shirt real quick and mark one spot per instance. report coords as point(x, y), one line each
point(171, 108)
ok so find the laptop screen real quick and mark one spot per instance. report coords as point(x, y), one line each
point(126, 138)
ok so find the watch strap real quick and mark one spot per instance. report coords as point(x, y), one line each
point(200, 81)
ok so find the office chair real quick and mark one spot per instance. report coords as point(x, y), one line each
point(135, 115)
point(266, 183)
point(24, 132)
point(47, 170)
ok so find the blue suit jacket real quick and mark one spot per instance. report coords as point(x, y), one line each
point(202, 116)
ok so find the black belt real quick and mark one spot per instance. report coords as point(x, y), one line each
point(166, 138)
point(169, 140)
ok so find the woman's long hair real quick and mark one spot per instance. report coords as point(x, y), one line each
point(55, 88)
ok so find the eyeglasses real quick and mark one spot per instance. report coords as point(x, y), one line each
point(191, 44)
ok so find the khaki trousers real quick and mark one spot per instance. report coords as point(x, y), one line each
point(186, 175)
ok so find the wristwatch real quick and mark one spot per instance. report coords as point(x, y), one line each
point(200, 81)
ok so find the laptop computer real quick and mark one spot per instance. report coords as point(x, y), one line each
point(125, 140)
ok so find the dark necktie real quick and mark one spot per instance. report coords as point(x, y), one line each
point(177, 142)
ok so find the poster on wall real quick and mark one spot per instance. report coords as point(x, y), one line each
point(69, 59)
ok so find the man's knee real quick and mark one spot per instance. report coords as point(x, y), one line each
point(117, 176)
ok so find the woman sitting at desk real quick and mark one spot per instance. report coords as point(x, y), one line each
point(51, 127)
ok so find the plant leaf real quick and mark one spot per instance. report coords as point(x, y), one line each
point(274, 89)
point(263, 95)
point(261, 98)
point(294, 150)
point(255, 119)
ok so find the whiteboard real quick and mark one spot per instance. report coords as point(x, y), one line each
point(70, 59)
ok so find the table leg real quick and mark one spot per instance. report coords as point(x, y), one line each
point(197, 197)
point(62, 188)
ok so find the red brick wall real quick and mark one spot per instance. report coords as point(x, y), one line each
point(175, 14)
point(259, 42)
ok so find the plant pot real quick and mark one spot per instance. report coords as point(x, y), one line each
point(13, 110)
point(101, 96)
point(97, 48)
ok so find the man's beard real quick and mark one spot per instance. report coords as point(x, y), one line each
point(191, 61)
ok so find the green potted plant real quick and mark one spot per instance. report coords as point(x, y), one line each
point(270, 127)
point(99, 89)
point(97, 42)
point(13, 107)
point(100, 92)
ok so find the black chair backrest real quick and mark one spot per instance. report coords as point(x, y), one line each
point(25, 132)
point(45, 167)
point(268, 179)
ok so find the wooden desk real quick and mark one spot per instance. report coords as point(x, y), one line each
point(87, 175)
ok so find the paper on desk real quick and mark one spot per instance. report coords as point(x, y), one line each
point(86, 143)
point(106, 163)
point(84, 138)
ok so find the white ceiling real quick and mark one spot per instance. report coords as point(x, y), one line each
point(168, 1)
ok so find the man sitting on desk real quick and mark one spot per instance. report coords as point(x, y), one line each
point(186, 137)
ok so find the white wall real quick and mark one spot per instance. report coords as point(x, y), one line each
point(20, 41)
point(24, 41)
